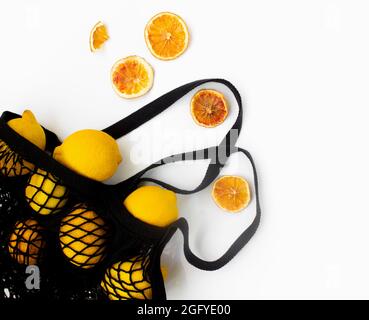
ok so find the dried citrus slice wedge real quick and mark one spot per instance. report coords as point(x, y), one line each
point(132, 77)
point(209, 108)
point(231, 193)
point(166, 36)
point(98, 36)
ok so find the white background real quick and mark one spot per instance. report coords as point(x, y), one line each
point(302, 68)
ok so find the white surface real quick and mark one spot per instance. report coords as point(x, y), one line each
point(302, 68)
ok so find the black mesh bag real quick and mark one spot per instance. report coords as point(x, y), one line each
point(77, 231)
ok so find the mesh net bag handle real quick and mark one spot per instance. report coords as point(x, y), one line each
point(154, 108)
point(142, 237)
point(237, 245)
point(226, 148)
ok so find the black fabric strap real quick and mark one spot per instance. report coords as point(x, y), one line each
point(240, 242)
point(212, 172)
point(146, 113)
point(225, 148)
point(162, 103)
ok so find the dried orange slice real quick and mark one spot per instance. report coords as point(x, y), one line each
point(231, 193)
point(166, 36)
point(209, 108)
point(132, 77)
point(98, 36)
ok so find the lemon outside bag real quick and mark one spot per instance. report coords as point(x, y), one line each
point(91, 247)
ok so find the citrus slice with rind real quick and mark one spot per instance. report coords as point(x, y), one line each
point(209, 108)
point(166, 36)
point(231, 193)
point(98, 36)
point(132, 77)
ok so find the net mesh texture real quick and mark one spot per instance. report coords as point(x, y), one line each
point(79, 247)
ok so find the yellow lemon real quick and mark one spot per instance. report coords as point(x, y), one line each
point(164, 272)
point(45, 194)
point(83, 237)
point(11, 164)
point(26, 242)
point(29, 128)
point(153, 205)
point(127, 280)
point(91, 153)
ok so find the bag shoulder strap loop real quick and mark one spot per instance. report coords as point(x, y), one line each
point(154, 108)
point(218, 154)
point(237, 245)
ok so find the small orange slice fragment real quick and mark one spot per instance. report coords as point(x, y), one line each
point(209, 108)
point(98, 36)
point(231, 193)
point(166, 36)
point(132, 77)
